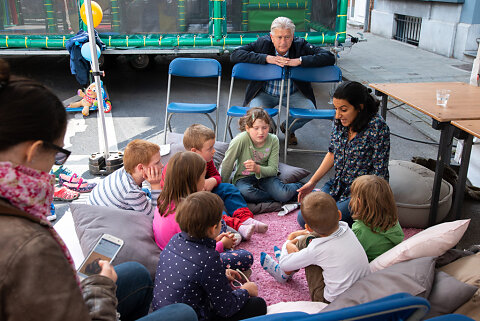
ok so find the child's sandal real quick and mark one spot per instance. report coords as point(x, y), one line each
point(64, 194)
point(81, 186)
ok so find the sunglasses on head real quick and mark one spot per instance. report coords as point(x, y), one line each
point(62, 154)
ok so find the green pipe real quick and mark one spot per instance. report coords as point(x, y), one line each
point(81, 24)
point(308, 15)
point(115, 15)
point(51, 23)
point(137, 41)
point(276, 5)
point(341, 23)
point(224, 18)
point(244, 15)
point(182, 27)
point(217, 19)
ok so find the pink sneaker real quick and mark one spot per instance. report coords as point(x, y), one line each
point(246, 231)
point(259, 226)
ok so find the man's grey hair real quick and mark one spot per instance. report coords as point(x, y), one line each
point(283, 23)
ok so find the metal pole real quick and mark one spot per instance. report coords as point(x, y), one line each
point(367, 16)
point(95, 70)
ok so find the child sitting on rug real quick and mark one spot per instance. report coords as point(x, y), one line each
point(191, 271)
point(123, 188)
point(328, 250)
point(186, 175)
point(375, 213)
point(201, 140)
point(256, 152)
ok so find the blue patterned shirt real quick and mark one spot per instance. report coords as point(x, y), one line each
point(366, 154)
point(272, 87)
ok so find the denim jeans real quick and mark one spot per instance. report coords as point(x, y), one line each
point(135, 293)
point(231, 197)
point(297, 100)
point(266, 189)
point(343, 206)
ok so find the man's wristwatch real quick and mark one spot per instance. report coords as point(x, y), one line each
point(300, 58)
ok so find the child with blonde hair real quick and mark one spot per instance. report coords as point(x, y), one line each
point(328, 250)
point(256, 152)
point(201, 140)
point(186, 175)
point(123, 188)
point(375, 213)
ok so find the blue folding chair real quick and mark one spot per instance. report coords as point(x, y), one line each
point(328, 74)
point(398, 307)
point(254, 72)
point(196, 68)
point(452, 317)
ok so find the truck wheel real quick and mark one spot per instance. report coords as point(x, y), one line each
point(140, 62)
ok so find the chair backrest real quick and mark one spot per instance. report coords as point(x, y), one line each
point(195, 67)
point(257, 72)
point(400, 306)
point(316, 74)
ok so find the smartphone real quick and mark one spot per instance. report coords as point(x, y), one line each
point(106, 249)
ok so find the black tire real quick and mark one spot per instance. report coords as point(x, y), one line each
point(140, 62)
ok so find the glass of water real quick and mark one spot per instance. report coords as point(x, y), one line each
point(442, 97)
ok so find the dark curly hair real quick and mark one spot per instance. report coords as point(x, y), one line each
point(358, 95)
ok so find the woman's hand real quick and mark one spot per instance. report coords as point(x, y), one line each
point(304, 190)
point(108, 270)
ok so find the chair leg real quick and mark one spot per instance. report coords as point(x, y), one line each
point(225, 131)
point(230, 128)
point(169, 125)
point(165, 129)
point(213, 123)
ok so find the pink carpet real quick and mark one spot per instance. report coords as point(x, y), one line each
point(278, 229)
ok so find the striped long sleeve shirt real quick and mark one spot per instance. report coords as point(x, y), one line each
point(120, 190)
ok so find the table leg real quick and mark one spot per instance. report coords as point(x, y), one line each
point(383, 108)
point(443, 157)
point(462, 177)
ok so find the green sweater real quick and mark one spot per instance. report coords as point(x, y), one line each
point(375, 244)
point(242, 149)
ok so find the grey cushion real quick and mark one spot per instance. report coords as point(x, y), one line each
point(414, 277)
point(448, 294)
point(412, 188)
point(133, 228)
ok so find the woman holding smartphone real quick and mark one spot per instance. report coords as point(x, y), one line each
point(38, 279)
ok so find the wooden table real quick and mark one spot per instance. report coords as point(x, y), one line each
point(470, 128)
point(463, 104)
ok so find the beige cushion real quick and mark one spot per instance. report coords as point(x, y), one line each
point(412, 186)
point(414, 277)
point(467, 270)
point(433, 241)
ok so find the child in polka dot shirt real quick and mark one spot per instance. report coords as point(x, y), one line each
point(190, 270)
point(186, 175)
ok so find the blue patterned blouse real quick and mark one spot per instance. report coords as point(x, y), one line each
point(366, 154)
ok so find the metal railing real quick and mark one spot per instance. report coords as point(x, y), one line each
point(407, 29)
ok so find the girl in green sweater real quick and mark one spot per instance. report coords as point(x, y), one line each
point(375, 213)
point(255, 152)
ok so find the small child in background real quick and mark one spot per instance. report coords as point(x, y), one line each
point(256, 153)
point(186, 175)
point(328, 250)
point(123, 188)
point(190, 271)
point(201, 140)
point(375, 213)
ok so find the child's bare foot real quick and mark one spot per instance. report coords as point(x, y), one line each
point(259, 226)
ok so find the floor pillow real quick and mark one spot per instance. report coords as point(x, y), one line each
point(434, 241)
point(412, 186)
point(135, 229)
point(414, 277)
